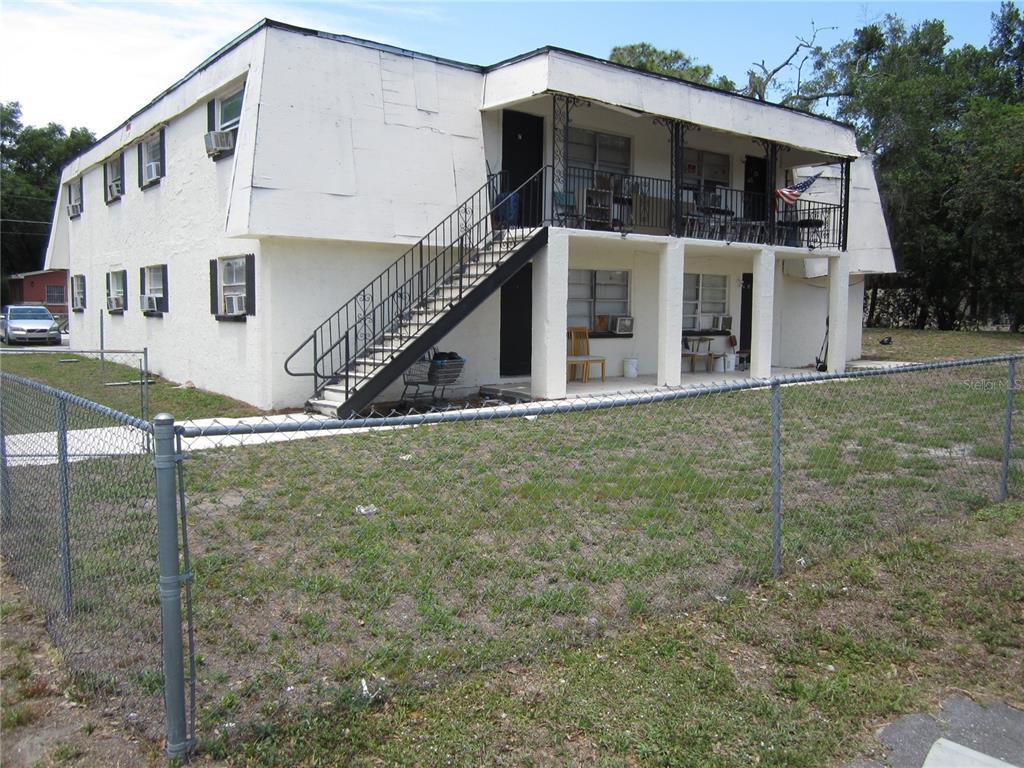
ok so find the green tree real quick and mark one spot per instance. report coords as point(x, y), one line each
point(915, 105)
point(31, 159)
point(673, 63)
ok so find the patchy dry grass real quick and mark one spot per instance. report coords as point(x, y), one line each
point(793, 673)
point(927, 346)
point(44, 724)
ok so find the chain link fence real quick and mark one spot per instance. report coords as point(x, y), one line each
point(345, 562)
point(79, 532)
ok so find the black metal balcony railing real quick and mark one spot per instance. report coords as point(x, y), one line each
point(646, 205)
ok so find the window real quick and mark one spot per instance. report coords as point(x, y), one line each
point(704, 297)
point(599, 151)
point(113, 178)
point(75, 206)
point(152, 165)
point(222, 117)
point(229, 111)
point(56, 294)
point(597, 297)
point(117, 294)
point(705, 171)
point(78, 293)
point(232, 287)
point(153, 289)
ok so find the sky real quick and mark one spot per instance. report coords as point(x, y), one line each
point(94, 64)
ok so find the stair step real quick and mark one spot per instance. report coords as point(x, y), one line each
point(328, 408)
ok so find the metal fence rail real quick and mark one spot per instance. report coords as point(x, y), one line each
point(341, 560)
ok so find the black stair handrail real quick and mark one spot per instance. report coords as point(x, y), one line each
point(363, 323)
point(395, 268)
point(479, 245)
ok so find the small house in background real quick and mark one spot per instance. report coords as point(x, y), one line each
point(48, 287)
point(304, 215)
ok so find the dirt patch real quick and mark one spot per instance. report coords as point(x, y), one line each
point(44, 723)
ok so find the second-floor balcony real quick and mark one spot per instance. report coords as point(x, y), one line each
point(626, 203)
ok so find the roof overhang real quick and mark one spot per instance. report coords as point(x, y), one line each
point(642, 93)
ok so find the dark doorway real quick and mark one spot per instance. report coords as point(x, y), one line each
point(522, 155)
point(746, 307)
point(755, 188)
point(516, 324)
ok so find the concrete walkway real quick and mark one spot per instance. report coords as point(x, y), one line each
point(963, 734)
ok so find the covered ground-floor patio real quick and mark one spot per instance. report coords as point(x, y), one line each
point(763, 300)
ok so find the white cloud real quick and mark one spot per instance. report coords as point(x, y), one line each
point(94, 64)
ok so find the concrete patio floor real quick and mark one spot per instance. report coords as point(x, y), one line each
point(519, 389)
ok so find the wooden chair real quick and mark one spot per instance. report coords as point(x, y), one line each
point(700, 349)
point(579, 354)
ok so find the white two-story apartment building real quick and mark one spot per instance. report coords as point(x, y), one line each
point(304, 214)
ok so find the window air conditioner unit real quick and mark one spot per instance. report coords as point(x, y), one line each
point(234, 305)
point(114, 189)
point(219, 141)
point(623, 325)
point(74, 209)
point(152, 171)
point(721, 323)
point(150, 303)
point(115, 302)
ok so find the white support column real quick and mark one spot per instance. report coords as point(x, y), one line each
point(762, 313)
point(838, 310)
point(550, 304)
point(670, 313)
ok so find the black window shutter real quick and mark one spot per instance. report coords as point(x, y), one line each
point(250, 284)
point(124, 284)
point(120, 162)
point(142, 287)
point(163, 155)
point(105, 182)
point(140, 166)
point(162, 303)
point(108, 285)
point(81, 196)
point(211, 115)
point(214, 302)
point(83, 291)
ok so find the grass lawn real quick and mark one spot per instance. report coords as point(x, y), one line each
point(926, 346)
point(86, 378)
point(794, 673)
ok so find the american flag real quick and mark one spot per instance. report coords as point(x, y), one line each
point(791, 194)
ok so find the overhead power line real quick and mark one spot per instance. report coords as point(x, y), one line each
point(25, 221)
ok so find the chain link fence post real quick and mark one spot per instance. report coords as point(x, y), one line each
point(165, 460)
point(776, 479)
point(64, 504)
point(5, 480)
point(1004, 477)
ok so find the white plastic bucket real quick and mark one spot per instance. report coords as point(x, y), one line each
point(720, 364)
point(630, 367)
point(730, 361)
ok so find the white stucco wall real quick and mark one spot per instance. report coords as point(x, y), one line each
point(178, 222)
point(801, 307)
point(356, 143)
